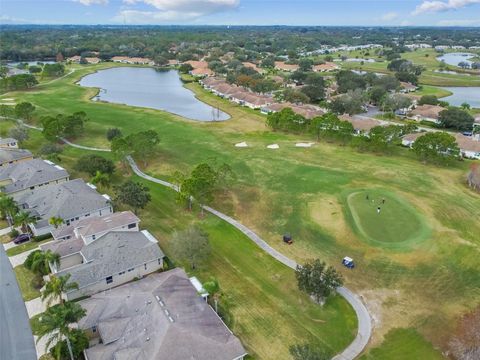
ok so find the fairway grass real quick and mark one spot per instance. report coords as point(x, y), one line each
point(397, 225)
point(428, 284)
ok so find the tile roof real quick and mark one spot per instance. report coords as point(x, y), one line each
point(29, 173)
point(428, 111)
point(160, 316)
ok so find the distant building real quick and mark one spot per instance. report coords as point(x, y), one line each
point(328, 66)
point(469, 147)
point(10, 156)
point(71, 201)
point(132, 60)
point(407, 87)
point(24, 176)
point(160, 316)
point(426, 113)
point(281, 65)
point(9, 143)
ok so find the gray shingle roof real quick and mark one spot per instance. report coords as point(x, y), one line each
point(95, 225)
point(135, 314)
point(4, 141)
point(7, 155)
point(29, 173)
point(112, 253)
point(65, 200)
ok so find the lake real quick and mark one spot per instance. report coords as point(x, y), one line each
point(470, 95)
point(455, 58)
point(147, 87)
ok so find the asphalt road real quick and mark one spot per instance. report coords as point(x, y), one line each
point(16, 339)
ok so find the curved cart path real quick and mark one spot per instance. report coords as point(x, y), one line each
point(363, 316)
point(364, 320)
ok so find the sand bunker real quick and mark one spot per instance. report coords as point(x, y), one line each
point(242, 144)
point(304, 145)
point(273, 146)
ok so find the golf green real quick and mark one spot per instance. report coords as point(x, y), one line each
point(383, 218)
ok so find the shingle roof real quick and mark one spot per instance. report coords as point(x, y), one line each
point(94, 225)
point(66, 200)
point(7, 155)
point(29, 173)
point(4, 141)
point(112, 253)
point(137, 315)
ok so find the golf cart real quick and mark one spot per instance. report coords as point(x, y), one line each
point(348, 262)
point(287, 238)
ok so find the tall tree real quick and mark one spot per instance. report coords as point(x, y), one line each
point(455, 118)
point(56, 287)
point(191, 246)
point(24, 110)
point(56, 325)
point(133, 194)
point(24, 219)
point(436, 147)
point(42, 261)
point(317, 280)
point(55, 221)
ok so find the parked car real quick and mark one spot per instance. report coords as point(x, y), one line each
point(348, 262)
point(21, 238)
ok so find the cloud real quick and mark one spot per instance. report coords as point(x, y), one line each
point(92, 2)
point(168, 11)
point(389, 16)
point(459, 22)
point(436, 6)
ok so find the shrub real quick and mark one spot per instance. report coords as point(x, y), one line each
point(42, 237)
point(93, 163)
point(14, 233)
point(113, 133)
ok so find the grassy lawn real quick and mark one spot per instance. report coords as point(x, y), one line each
point(25, 278)
point(5, 239)
point(403, 344)
point(25, 247)
point(431, 90)
point(384, 219)
point(300, 191)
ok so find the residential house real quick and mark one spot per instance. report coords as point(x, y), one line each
point(89, 60)
point(201, 72)
point(307, 111)
point(469, 147)
point(328, 66)
point(426, 113)
point(281, 65)
point(97, 262)
point(362, 124)
point(71, 201)
point(406, 87)
point(160, 316)
point(10, 156)
point(132, 60)
point(24, 176)
point(9, 143)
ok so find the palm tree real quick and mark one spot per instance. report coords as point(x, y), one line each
point(213, 288)
point(41, 262)
point(56, 287)
point(55, 324)
point(55, 221)
point(23, 219)
point(100, 178)
point(8, 207)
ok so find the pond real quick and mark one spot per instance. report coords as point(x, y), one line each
point(469, 95)
point(455, 58)
point(147, 87)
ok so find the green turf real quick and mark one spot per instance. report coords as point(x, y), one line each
point(25, 247)
point(24, 279)
point(403, 344)
point(396, 223)
point(275, 192)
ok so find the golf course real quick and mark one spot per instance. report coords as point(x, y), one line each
point(383, 219)
point(417, 259)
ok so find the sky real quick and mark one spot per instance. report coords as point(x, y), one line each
point(243, 12)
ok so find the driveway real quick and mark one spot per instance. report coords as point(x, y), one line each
point(16, 340)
